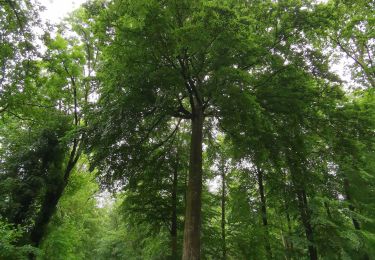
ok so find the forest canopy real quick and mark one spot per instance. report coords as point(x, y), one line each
point(188, 129)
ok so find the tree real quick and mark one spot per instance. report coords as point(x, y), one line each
point(189, 50)
point(212, 122)
point(48, 109)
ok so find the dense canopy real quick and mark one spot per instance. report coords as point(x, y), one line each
point(188, 129)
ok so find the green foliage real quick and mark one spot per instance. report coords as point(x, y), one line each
point(124, 240)
point(117, 88)
point(31, 165)
point(9, 243)
point(77, 223)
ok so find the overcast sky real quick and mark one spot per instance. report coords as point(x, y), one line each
point(58, 9)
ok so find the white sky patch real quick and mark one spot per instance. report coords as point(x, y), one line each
point(104, 199)
point(56, 10)
point(214, 184)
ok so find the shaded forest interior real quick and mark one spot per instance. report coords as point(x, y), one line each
point(188, 129)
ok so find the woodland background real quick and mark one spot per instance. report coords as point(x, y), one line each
point(201, 129)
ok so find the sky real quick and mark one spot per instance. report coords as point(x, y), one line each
point(58, 9)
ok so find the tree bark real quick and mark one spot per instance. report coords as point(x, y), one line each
point(174, 216)
point(306, 221)
point(264, 213)
point(51, 200)
point(289, 244)
point(47, 210)
point(191, 244)
point(304, 211)
point(223, 197)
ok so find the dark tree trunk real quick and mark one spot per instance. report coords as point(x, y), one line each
point(306, 221)
point(174, 216)
point(304, 211)
point(47, 210)
point(223, 197)
point(191, 244)
point(51, 200)
point(53, 196)
point(326, 206)
point(264, 213)
point(289, 244)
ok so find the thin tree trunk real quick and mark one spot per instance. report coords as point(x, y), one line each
point(288, 243)
point(223, 197)
point(290, 246)
point(304, 211)
point(174, 216)
point(264, 213)
point(326, 206)
point(306, 221)
point(191, 244)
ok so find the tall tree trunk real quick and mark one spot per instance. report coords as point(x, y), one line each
point(51, 199)
point(289, 244)
point(53, 195)
point(306, 221)
point(264, 213)
point(223, 197)
point(174, 215)
point(48, 208)
point(191, 244)
point(304, 211)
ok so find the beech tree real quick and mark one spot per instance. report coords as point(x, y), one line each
point(186, 47)
point(187, 129)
